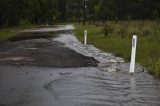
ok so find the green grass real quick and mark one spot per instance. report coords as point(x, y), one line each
point(8, 32)
point(148, 47)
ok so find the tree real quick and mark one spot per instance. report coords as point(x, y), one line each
point(14, 12)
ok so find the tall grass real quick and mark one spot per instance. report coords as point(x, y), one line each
point(117, 39)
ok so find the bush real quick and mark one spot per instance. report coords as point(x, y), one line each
point(122, 31)
point(133, 31)
point(146, 31)
point(107, 29)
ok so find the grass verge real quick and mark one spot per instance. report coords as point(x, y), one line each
point(118, 41)
point(8, 32)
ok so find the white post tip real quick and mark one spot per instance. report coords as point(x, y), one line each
point(85, 37)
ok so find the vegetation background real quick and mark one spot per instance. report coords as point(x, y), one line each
point(14, 12)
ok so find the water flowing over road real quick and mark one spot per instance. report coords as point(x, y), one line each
point(108, 84)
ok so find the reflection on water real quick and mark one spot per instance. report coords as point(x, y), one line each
point(132, 83)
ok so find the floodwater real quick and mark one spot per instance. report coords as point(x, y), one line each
point(109, 84)
point(89, 86)
point(92, 87)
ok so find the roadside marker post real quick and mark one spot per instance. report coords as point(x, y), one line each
point(85, 37)
point(133, 54)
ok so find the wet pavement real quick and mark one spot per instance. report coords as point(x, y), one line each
point(108, 84)
point(42, 51)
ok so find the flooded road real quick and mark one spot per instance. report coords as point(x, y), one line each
point(34, 86)
point(108, 84)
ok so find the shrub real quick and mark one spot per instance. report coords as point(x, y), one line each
point(146, 31)
point(133, 31)
point(107, 29)
point(122, 30)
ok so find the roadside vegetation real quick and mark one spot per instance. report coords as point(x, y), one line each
point(8, 32)
point(5, 34)
point(116, 37)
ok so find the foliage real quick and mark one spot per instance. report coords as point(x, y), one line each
point(14, 12)
point(5, 34)
point(107, 29)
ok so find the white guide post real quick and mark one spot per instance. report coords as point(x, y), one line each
point(133, 54)
point(85, 37)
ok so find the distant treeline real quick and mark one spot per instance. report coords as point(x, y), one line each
point(14, 12)
point(124, 9)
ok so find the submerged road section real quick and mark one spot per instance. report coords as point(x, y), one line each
point(60, 71)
